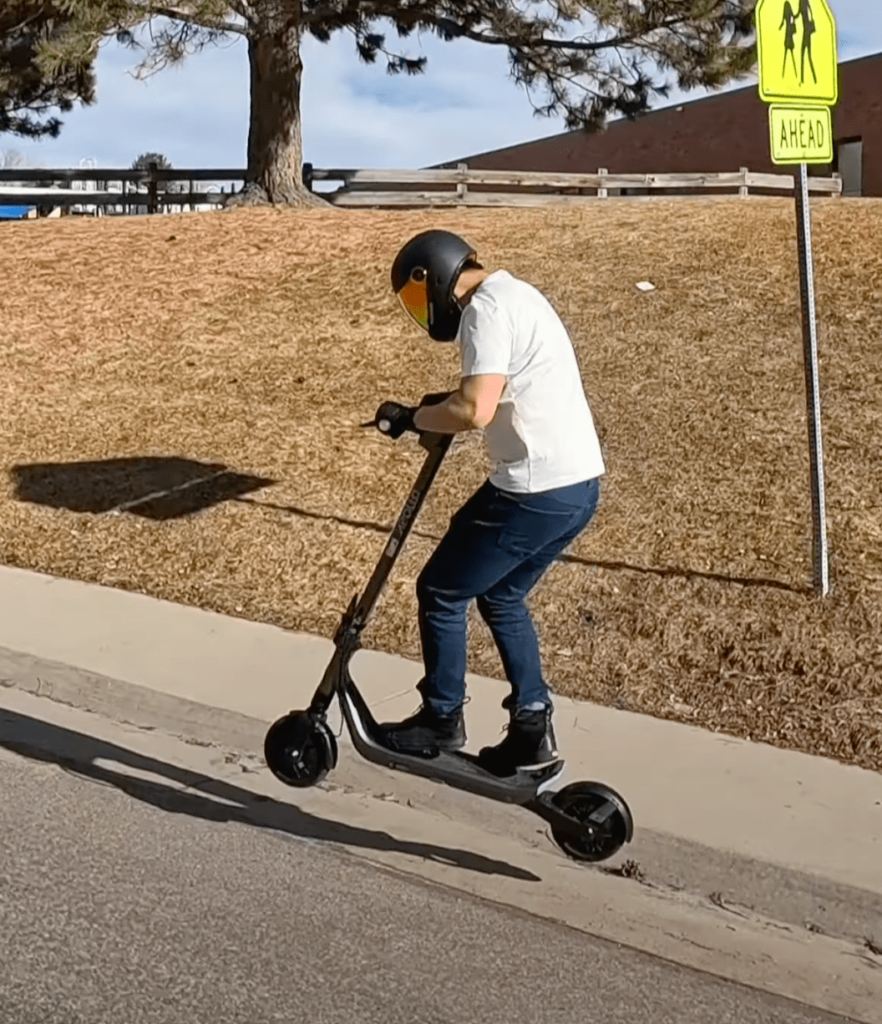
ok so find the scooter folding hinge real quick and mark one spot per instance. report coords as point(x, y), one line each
point(348, 633)
point(349, 643)
point(348, 636)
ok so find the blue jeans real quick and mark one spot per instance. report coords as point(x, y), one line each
point(498, 547)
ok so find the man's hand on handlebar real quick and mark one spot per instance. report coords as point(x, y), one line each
point(393, 418)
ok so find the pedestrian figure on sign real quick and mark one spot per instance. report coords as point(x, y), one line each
point(788, 23)
point(808, 30)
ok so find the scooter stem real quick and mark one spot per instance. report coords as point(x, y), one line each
point(347, 639)
point(437, 446)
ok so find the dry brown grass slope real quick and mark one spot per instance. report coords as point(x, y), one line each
point(140, 354)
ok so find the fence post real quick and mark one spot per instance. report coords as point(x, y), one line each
point(152, 189)
point(602, 191)
point(462, 187)
point(307, 176)
point(743, 190)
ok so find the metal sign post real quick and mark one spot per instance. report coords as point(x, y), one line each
point(810, 347)
point(800, 94)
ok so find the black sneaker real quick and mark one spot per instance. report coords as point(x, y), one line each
point(425, 733)
point(530, 743)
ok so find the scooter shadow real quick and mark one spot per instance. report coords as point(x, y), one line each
point(78, 753)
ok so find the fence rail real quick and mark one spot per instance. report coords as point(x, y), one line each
point(135, 188)
point(117, 174)
point(464, 187)
point(360, 187)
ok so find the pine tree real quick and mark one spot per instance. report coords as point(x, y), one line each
point(146, 159)
point(44, 66)
point(584, 60)
point(143, 162)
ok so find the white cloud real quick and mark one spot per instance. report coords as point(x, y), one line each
point(354, 115)
point(358, 115)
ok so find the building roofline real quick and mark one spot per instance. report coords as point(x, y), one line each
point(623, 121)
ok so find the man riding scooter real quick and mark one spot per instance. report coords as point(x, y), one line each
point(521, 385)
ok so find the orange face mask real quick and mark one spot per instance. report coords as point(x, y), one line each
point(414, 297)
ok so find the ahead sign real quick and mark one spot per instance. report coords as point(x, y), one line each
point(801, 135)
point(796, 46)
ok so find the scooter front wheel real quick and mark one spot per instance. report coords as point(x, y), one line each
point(300, 750)
point(606, 822)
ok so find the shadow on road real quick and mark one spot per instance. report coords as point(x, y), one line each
point(79, 753)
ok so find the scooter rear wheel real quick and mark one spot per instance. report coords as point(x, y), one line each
point(599, 839)
point(300, 750)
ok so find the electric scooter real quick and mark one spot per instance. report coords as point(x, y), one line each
point(588, 820)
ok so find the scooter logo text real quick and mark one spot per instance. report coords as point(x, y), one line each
point(410, 507)
point(400, 526)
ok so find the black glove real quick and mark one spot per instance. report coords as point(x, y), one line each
point(393, 419)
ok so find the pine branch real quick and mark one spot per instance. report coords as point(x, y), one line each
point(37, 72)
point(426, 15)
point(455, 31)
point(369, 44)
point(243, 9)
point(176, 14)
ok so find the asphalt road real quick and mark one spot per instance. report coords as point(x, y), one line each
point(126, 906)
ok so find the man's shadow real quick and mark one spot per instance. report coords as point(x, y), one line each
point(79, 753)
point(152, 487)
point(162, 488)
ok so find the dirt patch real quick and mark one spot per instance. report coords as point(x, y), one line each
point(181, 397)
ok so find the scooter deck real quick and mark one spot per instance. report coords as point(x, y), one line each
point(457, 769)
point(462, 771)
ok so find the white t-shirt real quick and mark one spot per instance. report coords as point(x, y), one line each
point(543, 433)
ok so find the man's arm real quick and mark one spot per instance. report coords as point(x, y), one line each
point(471, 407)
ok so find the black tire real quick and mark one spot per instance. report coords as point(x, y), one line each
point(300, 750)
point(600, 839)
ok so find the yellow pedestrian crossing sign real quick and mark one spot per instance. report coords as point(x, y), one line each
point(796, 46)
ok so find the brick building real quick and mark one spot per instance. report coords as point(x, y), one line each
point(718, 133)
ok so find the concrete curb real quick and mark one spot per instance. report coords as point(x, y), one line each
point(129, 702)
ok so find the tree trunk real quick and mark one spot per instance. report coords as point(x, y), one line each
point(275, 146)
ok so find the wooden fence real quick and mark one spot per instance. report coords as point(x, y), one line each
point(109, 187)
point(143, 189)
point(464, 187)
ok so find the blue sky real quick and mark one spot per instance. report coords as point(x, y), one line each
point(354, 115)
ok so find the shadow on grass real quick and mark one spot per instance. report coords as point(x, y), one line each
point(675, 572)
point(162, 488)
point(79, 753)
point(158, 488)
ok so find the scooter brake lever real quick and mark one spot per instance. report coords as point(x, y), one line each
point(383, 425)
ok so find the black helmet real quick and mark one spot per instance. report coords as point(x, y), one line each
point(423, 277)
